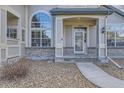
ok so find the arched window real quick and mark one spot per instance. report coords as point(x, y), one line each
point(41, 30)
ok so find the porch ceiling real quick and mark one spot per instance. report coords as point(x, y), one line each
point(80, 11)
point(80, 21)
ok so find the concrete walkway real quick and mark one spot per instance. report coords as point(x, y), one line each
point(98, 77)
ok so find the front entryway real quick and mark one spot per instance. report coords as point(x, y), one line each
point(79, 36)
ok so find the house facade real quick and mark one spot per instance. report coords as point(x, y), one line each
point(61, 32)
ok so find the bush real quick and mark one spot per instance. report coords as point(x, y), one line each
point(15, 70)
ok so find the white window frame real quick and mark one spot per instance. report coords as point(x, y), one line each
point(23, 37)
point(39, 28)
point(9, 34)
point(115, 40)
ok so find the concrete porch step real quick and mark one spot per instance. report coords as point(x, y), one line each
point(80, 59)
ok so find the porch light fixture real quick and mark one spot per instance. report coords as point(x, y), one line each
point(103, 29)
point(78, 18)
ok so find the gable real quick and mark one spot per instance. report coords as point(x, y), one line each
point(115, 18)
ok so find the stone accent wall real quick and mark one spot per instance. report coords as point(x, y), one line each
point(116, 52)
point(40, 53)
point(69, 51)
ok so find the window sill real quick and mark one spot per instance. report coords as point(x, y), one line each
point(117, 47)
point(23, 42)
point(40, 47)
point(12, 39)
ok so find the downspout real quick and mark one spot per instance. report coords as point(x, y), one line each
point(106, 24)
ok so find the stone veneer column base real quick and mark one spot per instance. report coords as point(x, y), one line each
point(103, 60)
point(59, 59)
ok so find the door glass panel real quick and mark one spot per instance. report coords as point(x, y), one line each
point(78, 41)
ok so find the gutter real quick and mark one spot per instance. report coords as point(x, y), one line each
point(116, 10)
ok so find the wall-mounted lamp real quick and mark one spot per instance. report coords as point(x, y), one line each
point(103, 29)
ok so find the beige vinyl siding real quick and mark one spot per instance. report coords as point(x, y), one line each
point(13, 51)
point(92, 36)
point(68, 36)
point(3, 54)
point(12, 22)
point(22, 49)
point(12, 42)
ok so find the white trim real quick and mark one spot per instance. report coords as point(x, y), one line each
point(0, 36)
point(13, 56)
point(88, 43)
point(11, 39)
point(52, 24)
point(19, 35)
point(99, 37)
point(9, 9)
point(0, 26)
point(11, 46)
point(60, 45)
point(0, 57)
point(106, 21)
point(38, 11)
point(26, 27)
point(115, 39)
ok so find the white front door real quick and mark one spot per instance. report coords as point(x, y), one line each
point(79, 41)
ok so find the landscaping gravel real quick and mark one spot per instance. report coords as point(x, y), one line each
point(50, 75)
point(111, 69)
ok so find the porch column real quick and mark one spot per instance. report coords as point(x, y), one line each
point(101, 42)
point(58, 39)
point(3, 35)
point(0, 36)
point(26, 27)
point(19, 35)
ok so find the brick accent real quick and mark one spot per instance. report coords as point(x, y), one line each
point(116, 52)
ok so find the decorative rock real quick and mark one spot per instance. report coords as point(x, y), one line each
point(47, 75)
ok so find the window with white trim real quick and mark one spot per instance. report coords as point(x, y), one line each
point(23, 34)
point(41, 30)
point(115, 39)
point(12, 32)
